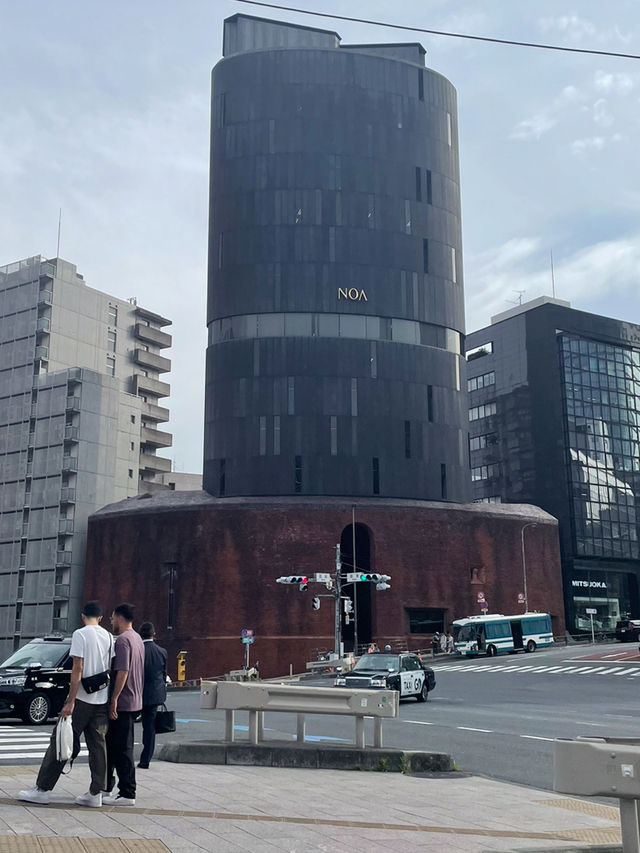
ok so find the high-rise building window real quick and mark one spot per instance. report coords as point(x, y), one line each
point(220, 250)
point(482, 381)
point(354, 398)
point(429, 188)
point(112, 315)
point(111, 366)
point(478, 412)
point(430, 403)
point(449, 131)
point(407, 439)
point(407, 216)
point(425, 255)
point(421, 84)
point(443, 481)
point(418, 183)
point(111, 341)
point(454, 272)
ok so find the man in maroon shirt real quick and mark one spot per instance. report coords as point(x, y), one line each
point(125, 702)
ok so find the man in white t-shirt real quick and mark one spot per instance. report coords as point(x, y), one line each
point(91, 649)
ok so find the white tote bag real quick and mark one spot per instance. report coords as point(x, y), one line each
point(64, 739)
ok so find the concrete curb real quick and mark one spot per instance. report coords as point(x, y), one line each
point(309, 756)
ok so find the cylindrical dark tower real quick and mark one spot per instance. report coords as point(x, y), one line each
point(335, 311)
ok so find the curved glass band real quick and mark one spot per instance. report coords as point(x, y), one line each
point(363, 326)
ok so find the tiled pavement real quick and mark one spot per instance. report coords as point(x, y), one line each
point(193, 808)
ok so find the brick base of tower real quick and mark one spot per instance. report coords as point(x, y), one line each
point(203, 568)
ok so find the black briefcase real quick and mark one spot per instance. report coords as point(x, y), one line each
point(165, 721)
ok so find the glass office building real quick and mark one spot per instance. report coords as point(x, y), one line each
point(335, 305)
point(554, 398)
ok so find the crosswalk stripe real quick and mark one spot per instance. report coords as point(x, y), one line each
point(14, 755)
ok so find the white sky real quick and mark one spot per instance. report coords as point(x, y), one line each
point(105, 113)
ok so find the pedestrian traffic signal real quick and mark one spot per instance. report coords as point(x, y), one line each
point(316, 603)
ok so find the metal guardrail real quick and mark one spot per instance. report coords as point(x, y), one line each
point(603, 767)
point(257, 698)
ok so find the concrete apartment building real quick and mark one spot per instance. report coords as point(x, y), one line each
point(80, 389)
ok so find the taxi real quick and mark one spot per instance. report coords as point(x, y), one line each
point(403, 672)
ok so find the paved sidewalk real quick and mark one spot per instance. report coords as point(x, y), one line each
point(193, 808)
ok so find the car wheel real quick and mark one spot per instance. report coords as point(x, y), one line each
point(531, 646)
point(491, 651)
point(38, 710)
point(424, 693)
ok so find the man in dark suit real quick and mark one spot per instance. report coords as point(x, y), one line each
point(154, 691)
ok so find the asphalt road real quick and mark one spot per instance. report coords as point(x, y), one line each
point(497, 717)
point(494, 718)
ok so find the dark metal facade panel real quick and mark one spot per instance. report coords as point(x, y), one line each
point(334, 190)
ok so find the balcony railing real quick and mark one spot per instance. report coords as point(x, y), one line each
point(45, 297)
point(69, 463)
point(155, 437)
point(42, 353)
point(152, 335)
point(59, 623)
point(65, 526)
point(63, 558)
point(61, 590)
point(71, 433)
point(44, 324)
point(73, 404)
point(74, 374)
point(154, 463)
point(67, 495)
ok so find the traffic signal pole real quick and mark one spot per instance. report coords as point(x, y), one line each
point(338, 620)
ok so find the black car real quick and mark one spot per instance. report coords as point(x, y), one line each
point(34, 680)
point(628, 630)
point(404, 672)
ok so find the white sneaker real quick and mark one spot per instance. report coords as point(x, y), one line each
point(34, 795)
point(93, 801)
point(109, 800)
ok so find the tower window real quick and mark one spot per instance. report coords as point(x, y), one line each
point(298, 474)
point(291, 395)
point(443, 481)
point(407, 439)
point(222, 477)
point(429, 189)
point(334, 435)
point(430, 403)
point(263, 435)
point(376, 475)
point(421, 84)
point(418, 183)
point(425, 255)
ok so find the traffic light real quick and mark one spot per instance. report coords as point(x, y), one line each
point(315, 603)
point(301, 580)
point(374, 578)
point(182, 666)
point(348, 605)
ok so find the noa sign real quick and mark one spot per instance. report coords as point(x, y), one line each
point(353, 294)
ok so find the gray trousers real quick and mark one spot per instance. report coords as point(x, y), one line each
point(90, 720)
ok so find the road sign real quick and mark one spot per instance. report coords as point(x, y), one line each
point(322, 577)
point(591, 611)
point(246, 632)
point(521, 597)
point(248, 640)
point(484, 605)
point(481, 596)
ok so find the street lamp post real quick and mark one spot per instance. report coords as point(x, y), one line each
point(524, 563)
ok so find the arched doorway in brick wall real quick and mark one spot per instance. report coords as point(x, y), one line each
point(360, 593)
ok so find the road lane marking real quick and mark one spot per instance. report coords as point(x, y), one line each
point(418, 722)
point(469, 729)
point(536, 737)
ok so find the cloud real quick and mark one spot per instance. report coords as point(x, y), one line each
point(580, 147)
point(591, 278)
point(571, 25)
point(601, 115)
point(619, 84)
point(534, 127)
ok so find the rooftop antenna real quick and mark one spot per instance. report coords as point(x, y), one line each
point(553, 279)
point(59, 226)
point(517, 301)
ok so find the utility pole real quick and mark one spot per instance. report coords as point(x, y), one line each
point(338, 619)
point(355, 588)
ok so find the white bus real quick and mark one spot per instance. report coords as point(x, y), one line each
point(494, 633)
